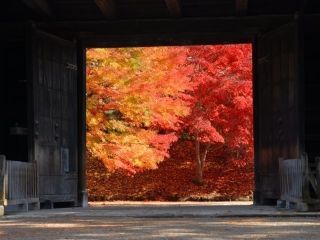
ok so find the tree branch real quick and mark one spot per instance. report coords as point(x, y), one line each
point(204, 156)
point(198, 150)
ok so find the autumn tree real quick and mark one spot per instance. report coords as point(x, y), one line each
point(221, 105)
point(135, 100)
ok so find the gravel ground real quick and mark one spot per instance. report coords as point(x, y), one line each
point(101, 222)
point(159, 228)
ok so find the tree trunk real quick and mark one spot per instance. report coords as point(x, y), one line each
point(200, 160)
point(199, 173)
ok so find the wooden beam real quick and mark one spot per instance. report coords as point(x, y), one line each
point(81, 92)
point(173, 39)
point(167, 26)
point(161, 32)
point(174, 8)
point(39, 6)
point(241, 7)
point(107, 7)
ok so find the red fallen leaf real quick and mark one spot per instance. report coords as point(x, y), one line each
point(171, 182)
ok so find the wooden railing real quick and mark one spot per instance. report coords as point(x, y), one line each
point(19, 183)
point(292, 179)
point(2, 176)
point(299, 183)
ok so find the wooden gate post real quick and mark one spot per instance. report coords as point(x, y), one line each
point(2, 183)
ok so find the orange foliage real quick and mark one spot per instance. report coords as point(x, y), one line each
point(135, 99)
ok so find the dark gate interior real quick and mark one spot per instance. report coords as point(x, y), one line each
point(312, 89)
point(13, 99)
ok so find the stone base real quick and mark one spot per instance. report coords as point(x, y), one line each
point(1, 210)
point(84, 202)
point(300, 206)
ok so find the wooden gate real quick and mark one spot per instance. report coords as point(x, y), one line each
point(54, 92)
point(277, 103)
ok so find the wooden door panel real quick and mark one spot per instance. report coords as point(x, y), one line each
point(277, 80)
point(55, 125)
point(48, 154)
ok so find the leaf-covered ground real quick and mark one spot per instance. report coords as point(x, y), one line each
point(173, 180)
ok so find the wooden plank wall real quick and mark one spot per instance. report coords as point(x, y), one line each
point(277, 101)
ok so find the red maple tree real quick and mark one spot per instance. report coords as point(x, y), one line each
point(221, 105)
